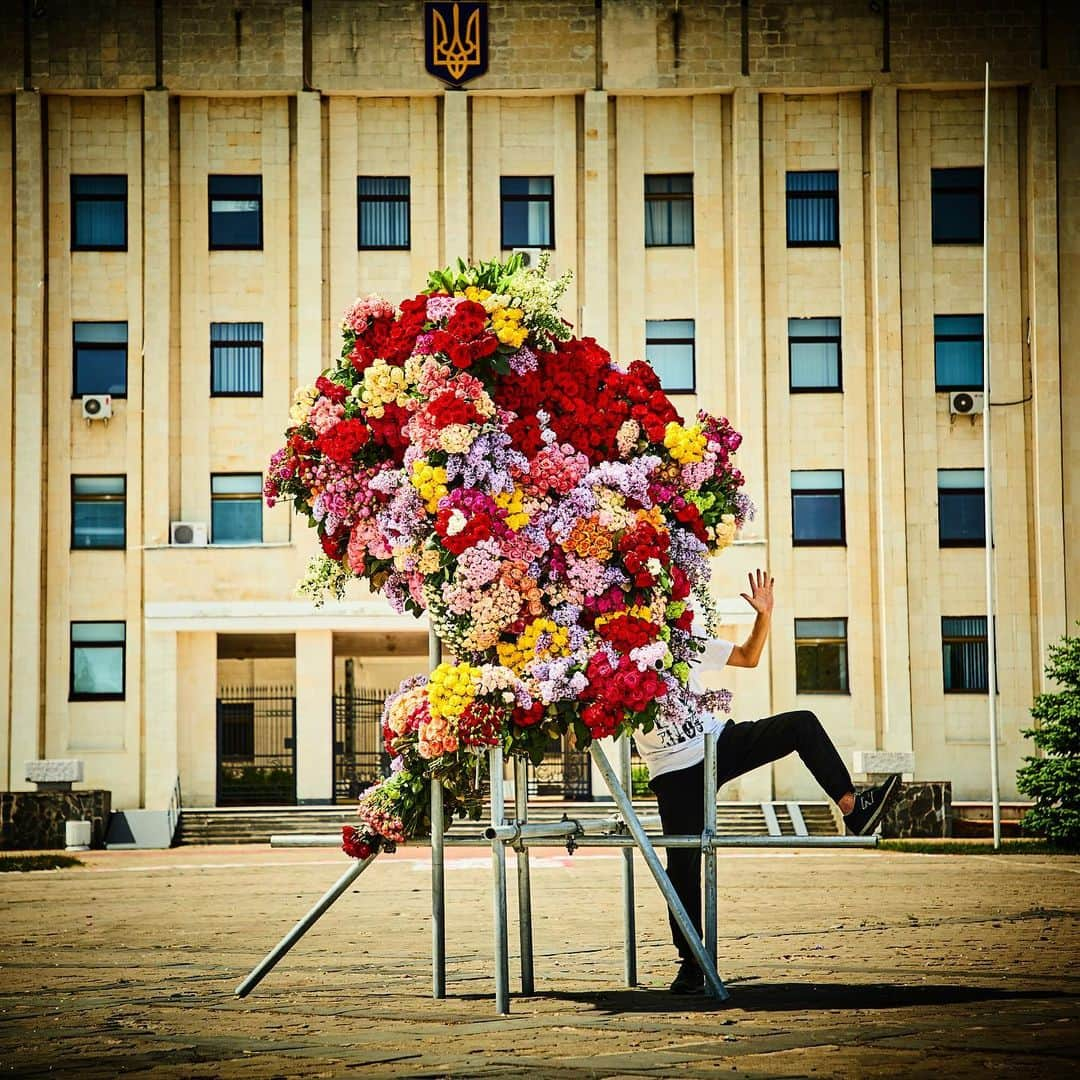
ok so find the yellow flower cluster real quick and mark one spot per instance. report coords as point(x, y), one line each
point(724, 531)
point(513, 502)
point(476, 294)
point(302, 402)
point(516, 656)
point(686, 445)
point(451, 689)
point(638, 611)
point(430, 482)
point(383, 383)
point(457, 438)
point(506, 322)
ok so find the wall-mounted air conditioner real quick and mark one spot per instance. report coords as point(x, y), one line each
point(187, 533)
point(966, 402)
point(531, 257)
point(96, 406)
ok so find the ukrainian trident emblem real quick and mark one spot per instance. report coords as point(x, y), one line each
point(455, 41)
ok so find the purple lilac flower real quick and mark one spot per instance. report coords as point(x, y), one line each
point(523, 361)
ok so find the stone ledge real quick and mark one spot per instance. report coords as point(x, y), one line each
point(55, 771)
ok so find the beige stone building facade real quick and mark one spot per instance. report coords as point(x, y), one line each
point(135, 655)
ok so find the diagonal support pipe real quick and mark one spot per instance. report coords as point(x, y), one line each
point(652, 860)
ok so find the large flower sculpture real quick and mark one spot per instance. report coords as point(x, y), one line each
point(549, 510)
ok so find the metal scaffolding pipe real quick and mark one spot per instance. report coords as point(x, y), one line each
point(269, 961)
point(438, 894)
point(708, 853)
point(438, 866)
point(498, 883)
point(524, 887)
point(622, 800)
point(629, 925)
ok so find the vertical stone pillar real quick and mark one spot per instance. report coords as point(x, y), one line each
point(161, 757)
point(196, 694)
point(1048, 533)
point(748, 406)
point(28, 443)
point(455, 162)
point(887, 495)
point(595, 318)
point(194, 322)
point(157, 316)
point(314, 716)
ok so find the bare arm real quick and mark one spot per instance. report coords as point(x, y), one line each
point(760, 598)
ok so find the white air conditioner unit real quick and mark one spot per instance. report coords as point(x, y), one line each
point(966, 402)
point(531, 256)
point(96, 406)
point(187, 533)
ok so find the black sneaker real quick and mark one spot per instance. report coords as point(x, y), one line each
point(690, 980)
point(870, 805)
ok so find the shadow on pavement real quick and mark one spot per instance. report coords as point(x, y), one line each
point(799, 997)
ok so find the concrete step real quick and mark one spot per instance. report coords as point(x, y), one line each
point(247, 825)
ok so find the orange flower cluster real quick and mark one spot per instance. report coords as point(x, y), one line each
point(589, 540)
point(514, 573)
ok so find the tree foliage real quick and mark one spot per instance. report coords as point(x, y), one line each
point(1053, 779)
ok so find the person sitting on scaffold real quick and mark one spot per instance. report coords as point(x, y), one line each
point(675, 760)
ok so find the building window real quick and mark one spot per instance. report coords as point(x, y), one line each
point(236, 508)
point(669, 348)
point(814, 354)
point(98, 512)
point(235, 212)
point(821, 656)
point(817, 507)
point(956, 206)
point(669, 210)
point(236, 359)
point(382, 213)
point(964, 654)
point(813, 209)
point(99, 213)
point(100, 358)
point(528, 211)
point(97, 661)
point(961, 509)
point(958, 352)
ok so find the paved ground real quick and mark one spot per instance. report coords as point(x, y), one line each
point(854, 964)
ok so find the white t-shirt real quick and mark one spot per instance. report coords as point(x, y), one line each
point(669, 747)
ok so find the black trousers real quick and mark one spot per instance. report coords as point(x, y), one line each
point(740, 748)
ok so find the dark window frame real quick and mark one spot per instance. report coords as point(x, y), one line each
point(548, 197)
point(97, 197)
point(237, 497)
point(97, 498)
point(210, 197)
point(963, 639)
point(960, 542)
point(833, 194)
point(692, 342)
point(838, 492)
point(942, 388)
point(845, 690)
point(233, 344)
point(818, 340)
point(99, 346)
point(937, 186)
point(83, 695)
point(406, 199)
point(669, 197)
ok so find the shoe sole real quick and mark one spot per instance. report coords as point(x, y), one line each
point(875, 817)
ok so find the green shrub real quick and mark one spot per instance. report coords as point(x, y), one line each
point(1053, 780)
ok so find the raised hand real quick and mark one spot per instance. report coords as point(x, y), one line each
point(760, 597)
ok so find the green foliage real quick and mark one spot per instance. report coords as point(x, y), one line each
point(1053, 780)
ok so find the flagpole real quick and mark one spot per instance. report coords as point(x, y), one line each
point(988, 487)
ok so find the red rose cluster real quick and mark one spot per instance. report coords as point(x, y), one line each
point(628, 632)
point(354, 843)
point(343, 440)
point(612, 690)
point(390, 339)
point(586, 399)
point(464, 339)
point(480, 724)
point(640, 544)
